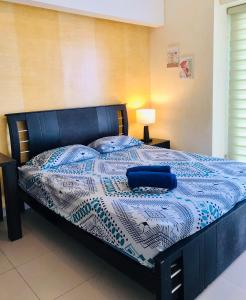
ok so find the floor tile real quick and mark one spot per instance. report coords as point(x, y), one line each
point(67, 248)
point(23, 250)
point(236, 273)
point(80, 258)
point(49, 235)
point(109, 285)
point(50, 277)
point(222, 289)
point(55, 265)
point(13, 287)
point(62, 244)
point(5, 265)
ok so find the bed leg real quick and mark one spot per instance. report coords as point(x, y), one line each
point(11, 201)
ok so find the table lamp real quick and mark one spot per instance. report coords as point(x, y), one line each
point(146, 117)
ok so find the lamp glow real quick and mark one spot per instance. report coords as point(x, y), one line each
point(146, 117)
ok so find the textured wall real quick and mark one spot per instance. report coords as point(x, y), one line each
point(51, 59)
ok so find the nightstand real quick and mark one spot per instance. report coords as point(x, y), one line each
point(160, 143)
point(12, 204)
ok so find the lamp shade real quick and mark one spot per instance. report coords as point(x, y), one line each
point(146, 116)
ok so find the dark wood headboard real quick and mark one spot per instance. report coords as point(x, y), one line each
point(34, 132)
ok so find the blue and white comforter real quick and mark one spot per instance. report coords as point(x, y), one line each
point(94, 195)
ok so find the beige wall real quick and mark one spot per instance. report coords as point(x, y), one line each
point(184, 107)
point(51, 59)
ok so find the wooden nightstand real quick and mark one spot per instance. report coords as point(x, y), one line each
point(160, 143)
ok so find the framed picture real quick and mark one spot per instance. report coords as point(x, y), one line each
point(173, 56)
point(186, 67)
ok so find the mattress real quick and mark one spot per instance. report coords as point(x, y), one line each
point(94, 195)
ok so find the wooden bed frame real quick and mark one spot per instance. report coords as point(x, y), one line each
point(181, 272)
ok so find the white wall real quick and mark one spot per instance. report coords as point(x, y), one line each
point(142, 12)
point(220, 75)
point(220, 80)
point(184, 107)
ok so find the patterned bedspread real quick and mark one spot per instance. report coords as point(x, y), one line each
point(94, 195)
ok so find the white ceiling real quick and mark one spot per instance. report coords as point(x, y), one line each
point(142, 12)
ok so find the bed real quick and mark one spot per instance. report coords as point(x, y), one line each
point(174, 243)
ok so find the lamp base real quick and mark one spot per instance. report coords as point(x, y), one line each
point(146, 138)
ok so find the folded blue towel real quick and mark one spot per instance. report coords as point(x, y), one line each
point(152, 179)
point(165, 169)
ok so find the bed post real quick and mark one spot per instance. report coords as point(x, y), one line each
point(9, 170)
point(164, 287)
point(181, 270)
point(170, 275)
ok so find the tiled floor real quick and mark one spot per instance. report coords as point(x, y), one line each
point(47, 264)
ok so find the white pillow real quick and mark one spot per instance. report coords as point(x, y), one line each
point(114, 143)
point(62, 156)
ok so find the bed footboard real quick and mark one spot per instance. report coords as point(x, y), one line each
point(188, 267)
point(180, 273)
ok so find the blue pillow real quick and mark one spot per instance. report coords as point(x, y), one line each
point(62, 156)
point(114, 143)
